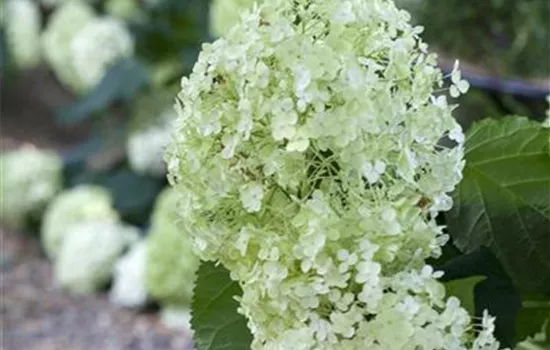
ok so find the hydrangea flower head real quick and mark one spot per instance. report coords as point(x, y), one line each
point(307, 161)
point(84, 203)
point(171, 264)
point(97, 46)
point(29, 179)
point(22, 20)
point(129, 278)
point(63, 26)
point(89, 253)
point(150, 132)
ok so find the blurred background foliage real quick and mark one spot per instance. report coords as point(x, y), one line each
point(503, 46)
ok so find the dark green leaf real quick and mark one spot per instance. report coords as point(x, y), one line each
point(494, 291)
point(214, 317)
point(134, 194)
point(120, 82)
point(503, 202)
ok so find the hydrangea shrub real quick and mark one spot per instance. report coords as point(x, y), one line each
point(79, 205)
point(150, 132)
point(63, 26)
point(30, 178)
point(307, 161)
point(129, 278)
point(171, 264)
point(89, 253)
point(22, 20)
point(97, 46)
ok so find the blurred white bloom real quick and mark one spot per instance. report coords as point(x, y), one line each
point(146, 150)
point(89, 253)
point(176, 318)
point(100, 44)
point(29, 179)
point(79, 205)
point(22, 22)
point(129, 278)
point(58, 36)
point(123, 9)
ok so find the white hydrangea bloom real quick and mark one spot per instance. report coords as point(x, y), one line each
point(81, 204)
point(224, 14)
point(97, 46)
point(89, 253)
point(176, 318)
point(307, 162)
point(29, 179)
point(22, 21)
point(146, 149)
point(129, 278)
point(57, 38)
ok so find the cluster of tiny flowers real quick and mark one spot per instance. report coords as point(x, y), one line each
point(22, 21)
point(145, 148)
point(63, 25)
point(129, 278)
point(102, 42)
point(307, 161)
point(84, 203)
point(89, 253)
point(224, 14)
point(80, 46)
point(29, 179)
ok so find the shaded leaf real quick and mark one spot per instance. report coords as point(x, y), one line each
point(133, 194)
point(120, 82)
point(503, 201)
point(215, 320)
point(493, 291)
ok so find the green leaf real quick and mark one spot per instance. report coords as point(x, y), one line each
point(134, 194)
point(214, 319)
point(120, 82)
point(503, 201)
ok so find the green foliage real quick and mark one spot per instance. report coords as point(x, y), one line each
point(215, 319)
point(120, 83)
point(508, 37)
point(134, 194)
point(173, 28)
point(534, 312)
point(503, 201)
